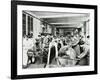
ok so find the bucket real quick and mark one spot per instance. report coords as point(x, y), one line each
point(63, 61)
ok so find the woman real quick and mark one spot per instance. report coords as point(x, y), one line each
point(75, 43)
point(84, 56)
point(53, 52)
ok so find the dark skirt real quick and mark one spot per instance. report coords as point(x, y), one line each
point(84, 61)
point(52, 54)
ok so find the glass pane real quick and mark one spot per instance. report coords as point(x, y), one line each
point(24, 24)
point(29, 25)
point(31, 34)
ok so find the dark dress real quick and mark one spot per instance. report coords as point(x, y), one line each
point(84, 60)
point(52, 53)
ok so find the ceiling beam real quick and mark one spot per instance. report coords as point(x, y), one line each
point(64, 15)
point(67, 23)
point(67, 26)
point(67, 20)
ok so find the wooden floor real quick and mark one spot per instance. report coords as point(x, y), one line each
point(38, 64)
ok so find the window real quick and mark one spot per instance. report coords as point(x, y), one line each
point(30, 26)
point(27, 22)
point(24, 24)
